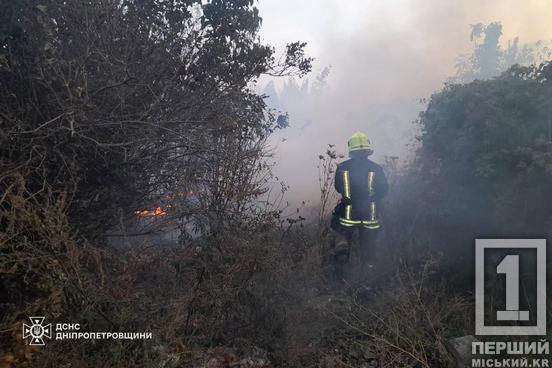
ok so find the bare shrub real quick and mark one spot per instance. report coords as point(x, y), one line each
point(40, 263)
point(403, 323)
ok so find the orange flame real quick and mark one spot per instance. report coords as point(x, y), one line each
point(156, 212)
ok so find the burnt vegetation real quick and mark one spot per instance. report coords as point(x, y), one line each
point(110, 108)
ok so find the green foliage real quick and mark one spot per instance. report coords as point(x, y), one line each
point(485, 163)
point(109, 106)
point(488, 58)
point(114, 102)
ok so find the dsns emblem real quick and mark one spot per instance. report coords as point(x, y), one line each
point(37, 331)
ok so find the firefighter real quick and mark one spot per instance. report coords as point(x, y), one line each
point(362, 184)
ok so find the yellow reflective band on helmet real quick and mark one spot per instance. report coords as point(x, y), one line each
point(371, 183)
point(346, 185)
point(348, 212)
point(358, 141)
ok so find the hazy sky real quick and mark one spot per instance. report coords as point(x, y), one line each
point(385, 56)
point(322, 23)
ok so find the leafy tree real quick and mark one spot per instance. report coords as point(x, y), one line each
point(107, 106)
point(485, 162)
point(123, 103)
point(488, 58)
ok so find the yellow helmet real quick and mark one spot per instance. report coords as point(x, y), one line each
point(359, 141)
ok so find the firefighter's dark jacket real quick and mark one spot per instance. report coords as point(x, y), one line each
point(362, 184)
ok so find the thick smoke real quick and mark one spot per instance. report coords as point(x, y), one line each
point(384, 59)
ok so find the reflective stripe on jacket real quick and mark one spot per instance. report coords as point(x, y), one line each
point(362, 184)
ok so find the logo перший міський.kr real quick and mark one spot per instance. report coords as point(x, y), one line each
point(37, 331)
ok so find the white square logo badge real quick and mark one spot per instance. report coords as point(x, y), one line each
point(509, 266)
